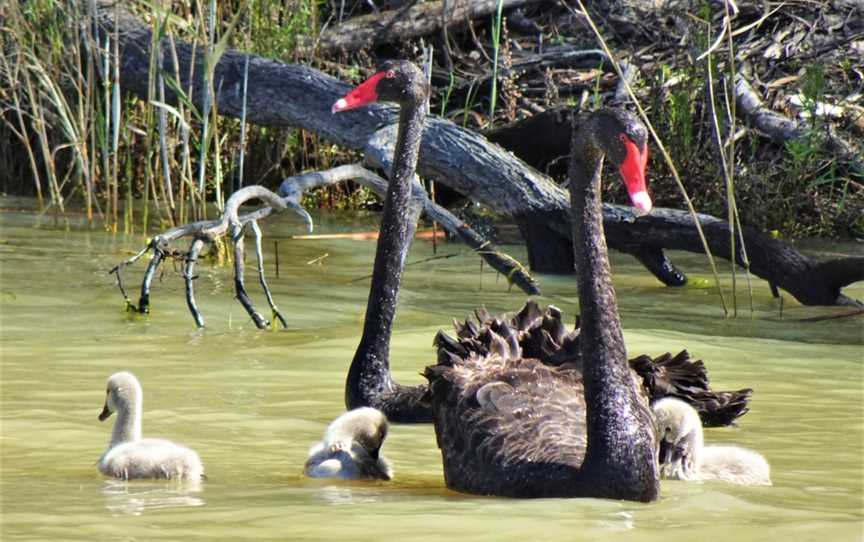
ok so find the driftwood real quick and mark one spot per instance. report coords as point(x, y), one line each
point(413, 21)
point(811, 282)
point(782, 129)
point(207, 232)
point(293, 187)
point(540, 139)
point(294, 95)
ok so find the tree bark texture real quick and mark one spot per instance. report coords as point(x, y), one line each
point(415, 20)
point(294, 95)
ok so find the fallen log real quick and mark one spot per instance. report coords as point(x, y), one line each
point(413, 21)
point(810, 281)
point(294, 95)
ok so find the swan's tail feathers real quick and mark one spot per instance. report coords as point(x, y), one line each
point(449, 349)
point(687, 379)
point(529, 314)
point(530, 333)
point(722, 408)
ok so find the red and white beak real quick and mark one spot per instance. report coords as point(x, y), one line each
point(632, 171)
point(365, 93)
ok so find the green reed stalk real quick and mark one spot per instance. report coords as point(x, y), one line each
point(724, 164)
point(447, 94)
point(473, 88)
point(243, 124)
point(206, 98)
point(116, 119)
point(660, 145)
point(163, 147)
point(106, 126)
point(496, 39)
point(731, 108)
point(83, 82)
point(41, 129)
point(183, 117)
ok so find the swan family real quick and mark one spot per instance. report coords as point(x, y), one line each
point(521, 406)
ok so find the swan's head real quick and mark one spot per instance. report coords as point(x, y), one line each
point(679, 435)
point(363, 427)
point(397, 81)
point(122, 393)
point(624, 139)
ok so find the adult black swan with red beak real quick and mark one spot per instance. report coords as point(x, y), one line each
point(534, 338)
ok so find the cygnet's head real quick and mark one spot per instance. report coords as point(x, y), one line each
point(366, 427)
point(351, 448)
point(679, 434)
point(123, 392)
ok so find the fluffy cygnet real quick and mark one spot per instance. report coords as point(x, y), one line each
point(684, 457)
point(351, 448)
point(129, 456)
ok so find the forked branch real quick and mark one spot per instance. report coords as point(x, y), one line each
point(209, 231)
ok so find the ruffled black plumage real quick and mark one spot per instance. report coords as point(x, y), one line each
point(537, 334)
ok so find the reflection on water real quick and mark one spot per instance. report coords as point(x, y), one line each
point(135, 498)
point(251, 403)
point(620, 521)
point(342, 495)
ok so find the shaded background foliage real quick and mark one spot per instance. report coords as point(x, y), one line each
point(69, 138)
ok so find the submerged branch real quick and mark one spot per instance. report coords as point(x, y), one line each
point(515, 272)
point(298, 96)
point(207, 232)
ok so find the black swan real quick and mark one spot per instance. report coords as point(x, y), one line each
point(351, 448)
point(683, 455)
point(513, 426)
point(369, 381)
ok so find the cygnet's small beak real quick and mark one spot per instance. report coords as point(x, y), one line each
point(666, 452)
point(106, 412)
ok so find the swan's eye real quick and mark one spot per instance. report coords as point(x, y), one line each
point(390, 74)
point(623, 138)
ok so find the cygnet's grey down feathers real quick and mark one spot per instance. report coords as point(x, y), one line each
point(351, 448)
point(128, 455)
point(683, 455)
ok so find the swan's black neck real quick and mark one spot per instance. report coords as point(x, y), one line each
point(620, 449)
point(369, 381)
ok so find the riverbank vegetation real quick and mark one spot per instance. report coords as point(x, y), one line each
point(71, 136)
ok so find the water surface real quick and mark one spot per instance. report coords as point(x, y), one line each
point(252, 402)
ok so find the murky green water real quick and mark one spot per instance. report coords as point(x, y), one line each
point(252, 402)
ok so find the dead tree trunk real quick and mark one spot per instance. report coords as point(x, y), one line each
point(294, 95)
point(413, 21)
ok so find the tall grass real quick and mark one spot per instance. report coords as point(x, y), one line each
point(133, 164)
point(496, 46)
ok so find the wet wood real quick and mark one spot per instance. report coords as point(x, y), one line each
point(413, 21)
point(297, 96)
